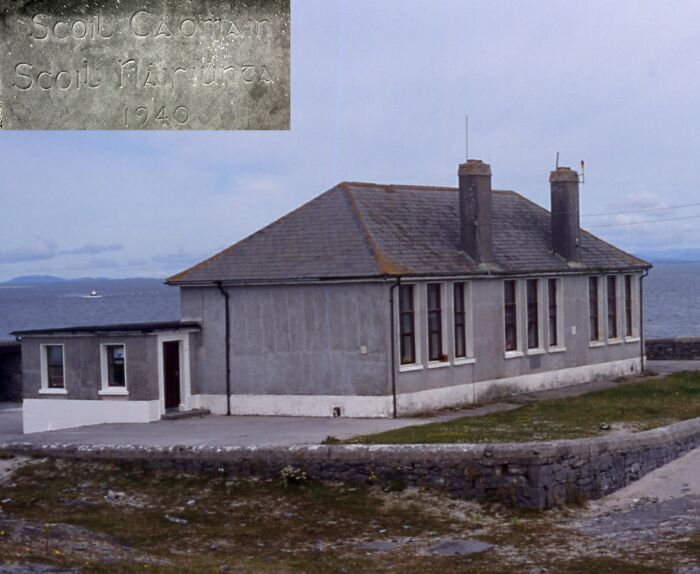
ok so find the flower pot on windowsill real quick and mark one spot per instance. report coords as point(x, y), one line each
point(443, 358)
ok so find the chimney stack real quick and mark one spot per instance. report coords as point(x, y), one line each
point(565, 213)
point(476, 230)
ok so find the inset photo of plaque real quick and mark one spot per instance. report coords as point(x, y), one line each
point(145, 65)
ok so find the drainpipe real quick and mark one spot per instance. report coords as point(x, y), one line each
point(642, 350)
point(393, 345)
point(228, 347)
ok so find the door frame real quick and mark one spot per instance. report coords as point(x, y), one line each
point(185, 378)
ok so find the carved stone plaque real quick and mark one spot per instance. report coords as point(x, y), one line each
point(145, 64)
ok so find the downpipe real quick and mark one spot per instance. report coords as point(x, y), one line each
point(227, 316)
point(392, 329)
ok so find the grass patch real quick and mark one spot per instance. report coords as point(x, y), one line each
point(638, 405)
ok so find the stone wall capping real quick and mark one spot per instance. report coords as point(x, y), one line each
point(531, 475)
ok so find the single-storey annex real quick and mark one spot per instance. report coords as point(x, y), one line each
point(369, 301)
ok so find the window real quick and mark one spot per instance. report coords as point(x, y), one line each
point(54, 367)
point(552, 312)
point(460, 317)
point(533, 313)
point(510, 307)
point(629, 315)
point(612, 307)
point(594, 318)
point(435, 322)
point(116, 365)
point(407, 325)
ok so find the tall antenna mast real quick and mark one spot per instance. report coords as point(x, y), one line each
point(557, 164)
point(466, 131)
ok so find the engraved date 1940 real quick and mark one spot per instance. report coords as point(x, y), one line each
point(158, 116)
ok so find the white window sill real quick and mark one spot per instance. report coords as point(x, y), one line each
point(464, 361)
point(514, 354)
point(409, 368)
point(556, 349)
point(632, 339)
point(615, 341)
point(438, 364)
point(596, 344)
point(47, 391)
point(114, 392)
point(535, 351)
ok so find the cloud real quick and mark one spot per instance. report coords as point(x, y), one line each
point(92, 249)
point(46, 249)
point(40, 250)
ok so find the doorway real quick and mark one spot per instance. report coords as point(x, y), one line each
point(171, 374)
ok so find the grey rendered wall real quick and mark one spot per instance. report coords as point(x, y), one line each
point(82, 365)
point(489, 347)
point(294, 339)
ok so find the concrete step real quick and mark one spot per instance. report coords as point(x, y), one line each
point(177, 415)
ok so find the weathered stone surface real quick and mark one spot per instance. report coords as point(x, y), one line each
point(459, 547)
point(144, 64)
point(677, 348)
point(545, 474)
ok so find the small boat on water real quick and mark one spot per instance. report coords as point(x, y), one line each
point(94, 295)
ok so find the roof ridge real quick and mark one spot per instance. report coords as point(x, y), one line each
point(408, 186)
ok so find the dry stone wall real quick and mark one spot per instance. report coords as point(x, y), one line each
point(677, 348)
point(529, 475)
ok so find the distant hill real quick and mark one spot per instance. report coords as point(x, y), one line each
point(51, 279)
point(671, 256)
point(34, 280)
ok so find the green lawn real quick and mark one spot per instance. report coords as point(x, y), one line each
point(639, 405)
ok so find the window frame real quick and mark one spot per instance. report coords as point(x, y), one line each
point(45, 388)
point(560, 344)
point(599, 339)
point(416, 364)
point(108, 389)
point(538, 315)
point(468, 327)
point(615, 316)
point(634, 295)
point(443, 358)
point(517, 290)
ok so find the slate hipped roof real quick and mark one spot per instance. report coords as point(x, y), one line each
point(366, 230)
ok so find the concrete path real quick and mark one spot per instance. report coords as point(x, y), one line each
point(665, 502)
point(269, 431)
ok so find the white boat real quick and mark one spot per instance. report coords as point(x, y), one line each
point(94, 295)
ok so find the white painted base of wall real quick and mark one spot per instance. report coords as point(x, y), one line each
point(39, 415)
point(417, 402)
point(484, 391)
point(215, 403)
point(312, 405)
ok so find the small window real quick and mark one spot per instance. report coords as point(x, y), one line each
point(612, 307)
point(435, 352)
point(629, 314)
point(533, 314)
point(553, 312)
point(510, 308)
point(116, 365)
point(460, 318)
point(594, 318)
point(407, 325)
point(54, 367)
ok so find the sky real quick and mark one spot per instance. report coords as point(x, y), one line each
point(380, 89)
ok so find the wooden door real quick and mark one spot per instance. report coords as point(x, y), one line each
point(171, 373)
